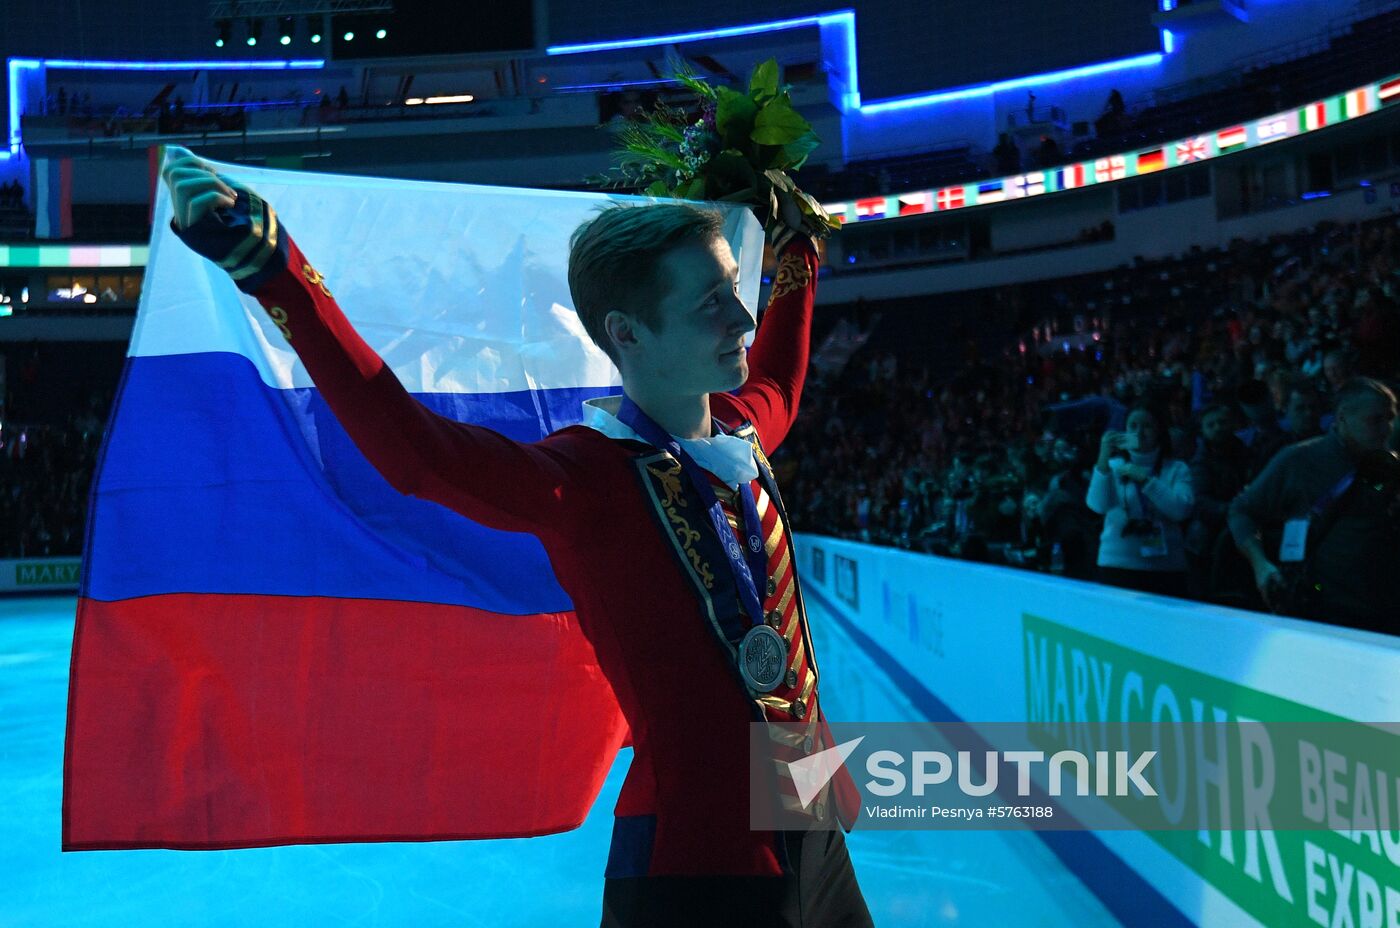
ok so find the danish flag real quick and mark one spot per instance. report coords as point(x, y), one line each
point(951, 198)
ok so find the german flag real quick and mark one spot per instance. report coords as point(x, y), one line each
point(1149, 161)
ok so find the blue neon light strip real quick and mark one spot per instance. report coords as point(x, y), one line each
point(15, 65)
point(844, 46)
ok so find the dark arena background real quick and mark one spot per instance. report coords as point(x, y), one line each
point(1078, 239)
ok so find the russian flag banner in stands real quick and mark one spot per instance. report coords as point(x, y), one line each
point(273, 645)
point(53, 197)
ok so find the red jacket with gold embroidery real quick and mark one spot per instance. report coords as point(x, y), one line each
point(606, 513)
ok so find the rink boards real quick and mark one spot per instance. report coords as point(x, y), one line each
point(968, 643)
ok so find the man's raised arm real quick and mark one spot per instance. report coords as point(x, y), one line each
point(778, 359)
point(486, 476)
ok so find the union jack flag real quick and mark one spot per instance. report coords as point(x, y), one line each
point(1188, 150)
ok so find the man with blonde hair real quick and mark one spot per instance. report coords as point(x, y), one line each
point(660, 517)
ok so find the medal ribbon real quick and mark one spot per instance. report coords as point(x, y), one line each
point(746, 566)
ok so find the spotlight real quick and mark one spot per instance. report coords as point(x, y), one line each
point(254, 31)
point(349, 36)
point(286, 27)
point(313, 29)
point(381, 33)
point(225, 33)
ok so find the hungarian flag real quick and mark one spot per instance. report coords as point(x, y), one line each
point(951, 197)
point(1357, 103)
point(273, 645)
point(911, 204)
point(1389, 92)
point(1070, 176)
point(1112, 168)
point(1149, 161)
point(1188, 150)
point(1231, 139)
point(872, 208)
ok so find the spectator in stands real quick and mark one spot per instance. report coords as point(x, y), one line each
point(1065, 518)
point(1320, 531)
point(1262, 435)
point(1338, 367)
point(1006, 155)
point(1304, 412)
point(1219, 470)
point(1145, 498)
point(1048, 154)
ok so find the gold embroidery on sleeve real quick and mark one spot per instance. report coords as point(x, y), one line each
point(793, 274)
point(314, 278)
point(279, 316)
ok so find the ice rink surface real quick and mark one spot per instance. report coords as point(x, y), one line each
point(910, 878)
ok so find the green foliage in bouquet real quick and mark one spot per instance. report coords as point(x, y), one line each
point(739, 149)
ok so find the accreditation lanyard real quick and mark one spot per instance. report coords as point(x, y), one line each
point(744, 571)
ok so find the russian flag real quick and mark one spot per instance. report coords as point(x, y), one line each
point(273, 646)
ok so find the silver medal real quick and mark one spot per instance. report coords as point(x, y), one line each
point(763, 658)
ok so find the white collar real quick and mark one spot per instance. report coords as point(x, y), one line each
point(729, 458)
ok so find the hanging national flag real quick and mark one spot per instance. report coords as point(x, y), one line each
point(1027, 185)
point(1231, 139)
point(1276, 127)
point(951, 198)
point(52, 187)
point(871, 208)
point(1106, 169)
point(1313, 116)
point(1070, 176)
point(838, 211)
point(273, 644)
point(1149, 161)
point(911, 204)
point(991, 192)
point(1389, 92)
point(1357, 103)
point(1188, 150)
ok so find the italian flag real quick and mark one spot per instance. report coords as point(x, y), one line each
point(1313, 116)
point(1356, 103)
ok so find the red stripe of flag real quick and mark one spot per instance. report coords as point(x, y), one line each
point(1149, 161)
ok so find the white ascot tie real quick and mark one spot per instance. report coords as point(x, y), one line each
point(729, 458)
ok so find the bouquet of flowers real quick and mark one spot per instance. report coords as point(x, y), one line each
point(739, 148)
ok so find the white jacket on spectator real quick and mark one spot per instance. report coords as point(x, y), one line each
point(1167, 498)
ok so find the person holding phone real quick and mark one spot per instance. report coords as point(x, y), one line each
point(1145, 498)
